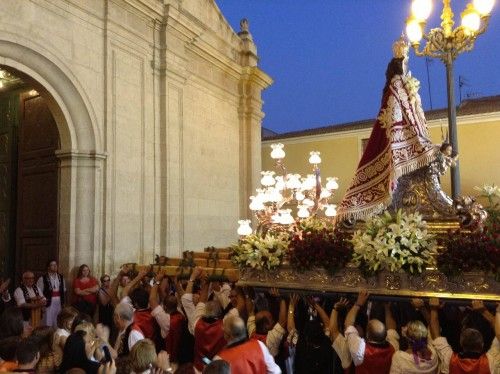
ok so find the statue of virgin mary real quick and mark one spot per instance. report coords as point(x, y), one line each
point(398, 145)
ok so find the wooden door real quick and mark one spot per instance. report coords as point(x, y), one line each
point(9, 106)
point(37, 192)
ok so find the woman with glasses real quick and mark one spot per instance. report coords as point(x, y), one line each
point(105, 301)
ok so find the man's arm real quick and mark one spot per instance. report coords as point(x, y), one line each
point(334, 322)
point(434, 318)
point(391, 326)
point(353, 312)
point(290, 325)
point(134, 283)
point(355, 343)
point(497, 322)
point(419, 306)
point(478, 306)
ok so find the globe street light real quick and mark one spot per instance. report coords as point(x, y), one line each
point(446, 43)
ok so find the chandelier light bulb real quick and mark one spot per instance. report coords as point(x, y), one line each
point(267, 178)
point(314, 158)
point(276, 218)
point(299, 196)
point(280, 183)
point(302, 212)
point(421, 9)
point(256, 203)
point(308, 202)
point(413, 30)
point(275, 195)
point(285, 217)
point(330, 210)
point(484, 7)
point(471, 20)
point(277, 152)
point(244, 228)
point(325, 194)
point(309, 182)
point(331, 183)
point(293, 181)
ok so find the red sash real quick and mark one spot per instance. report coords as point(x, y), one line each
point(208, 340)
point(146, 323)
point(261, 337)
point(245, 358)
point(56, 294)
point(469, 365)
point(173, 339)
point(377, 359)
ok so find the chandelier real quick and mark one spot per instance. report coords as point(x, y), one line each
point(283, 195)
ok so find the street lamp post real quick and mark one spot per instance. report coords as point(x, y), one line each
point(446, 43)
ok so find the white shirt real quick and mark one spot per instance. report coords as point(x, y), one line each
point(54, 281)
point(357, 344)
point(274, 336)
point(342, 349)
point(404, 363)
point(271, 366)
point(223, 295)
point(163, 320)
point(19, 296)
point(133, 338)
point(445, 352)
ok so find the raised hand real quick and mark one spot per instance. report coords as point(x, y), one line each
point(362, 298)
point(343, 303)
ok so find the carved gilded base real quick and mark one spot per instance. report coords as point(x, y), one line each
point(430, 283)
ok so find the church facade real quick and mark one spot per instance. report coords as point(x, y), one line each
point(150, 126)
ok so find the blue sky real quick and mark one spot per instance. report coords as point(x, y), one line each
point(328, 57)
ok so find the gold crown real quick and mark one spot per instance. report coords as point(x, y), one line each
point(400, 48)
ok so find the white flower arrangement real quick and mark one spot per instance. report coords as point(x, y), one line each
point(260, 252)
point(394, 243)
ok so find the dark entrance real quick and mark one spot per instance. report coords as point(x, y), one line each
point(28, 180)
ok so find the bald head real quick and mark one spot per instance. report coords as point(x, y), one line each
point(213, 309)
point(375, 331)
point(234, 329)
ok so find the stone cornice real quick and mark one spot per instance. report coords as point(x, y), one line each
point(255, 75)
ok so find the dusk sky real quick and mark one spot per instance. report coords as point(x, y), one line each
point(328, 57)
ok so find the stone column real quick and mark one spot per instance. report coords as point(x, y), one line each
point(253, 81)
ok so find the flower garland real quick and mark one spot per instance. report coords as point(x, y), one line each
point(260, 252)
point(318, 245)
point(394, 243)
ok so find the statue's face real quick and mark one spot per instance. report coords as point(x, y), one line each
point(448, 151)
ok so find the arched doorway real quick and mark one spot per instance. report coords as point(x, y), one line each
point(80, 157)
point(29, 139)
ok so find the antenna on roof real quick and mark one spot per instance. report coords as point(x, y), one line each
point(462, 81)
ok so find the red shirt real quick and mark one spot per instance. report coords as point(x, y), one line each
point(479, 365)
point(91, 282)
point(245, 358)
point(377, 359)
point(208, 341)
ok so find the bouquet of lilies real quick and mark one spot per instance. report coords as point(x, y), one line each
point(259, 252)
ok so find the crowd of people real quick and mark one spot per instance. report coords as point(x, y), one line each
point(142, 322)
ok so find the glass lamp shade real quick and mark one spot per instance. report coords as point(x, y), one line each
point(277, 152)
point(244, 229)
point(413, 30)
point(330, 210)
point(276, 218)
point(293, 181)
point(280, 183)
point(314, 158)
point(471, 19)
point(421, 9)
point(325, 194)
point(484, 7)
point(261, 195)
point(299, 196)
point(256, 203)
point(302, 212)
point(331, 183)
point(309, 182)
point(274, 195)
point(267, 178)
point(308, 202)
point(285, 217)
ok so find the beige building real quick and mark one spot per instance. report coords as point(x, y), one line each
point(341, 146)
point(139, 130)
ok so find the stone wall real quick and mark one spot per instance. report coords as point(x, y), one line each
point(159, 109)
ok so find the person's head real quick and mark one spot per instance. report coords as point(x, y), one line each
point(170, 303)
point(65, 318)
point(124, 280)
point(27, 353)
point(28, 278)
point(75, 352)
point(44, 336)
point(11, 323)
point(471, 341)
point(233, 295)
point(105, 281)
point(123, 315)
point(213, 309)
point(79, 319)
point(89, 329)
point(140, 298)
point(375, 331)
point(52, 266)
point(142, 356)
point(83, 271)
point(263, 322)
point(217, 367)
point(446, 149)
point(416, 330)
point(234, 329)
point(8, 347)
